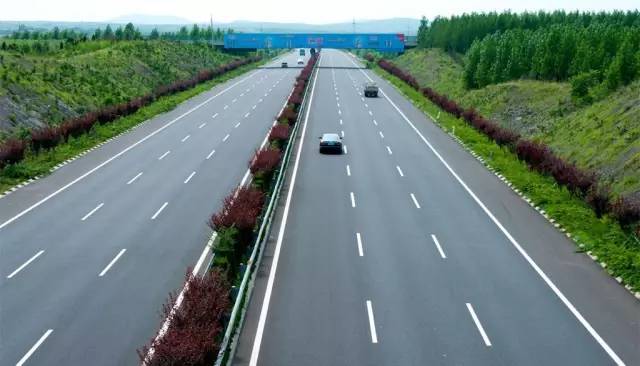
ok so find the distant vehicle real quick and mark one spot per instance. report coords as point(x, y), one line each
point(300, 61)
point(302, 52)
point(370, 90)
point(312, 51)
point(331, 143)
point(284, 65)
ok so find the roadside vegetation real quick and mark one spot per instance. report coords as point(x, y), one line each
point(607, 228)
point(40, 150)
point(195, 342)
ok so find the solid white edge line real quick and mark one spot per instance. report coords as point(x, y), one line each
point(399, 171)
point(511, 239)
point(189, 177)
point(359, 240)
point(485, 338)
point(353, 199)
point(437, 243)
point(372, 323)
point(276, 255)
point(134, 178)
point(113, 261)
point(165, 154)
point(25, 264)
point(92, 211)
point(211, 154)
point(63, 188)
point(159, 211)
point(34, 347)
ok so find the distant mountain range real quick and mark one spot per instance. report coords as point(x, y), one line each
point(146, 23)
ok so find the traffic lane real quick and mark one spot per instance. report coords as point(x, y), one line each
point(155, 158)
point(612, 313)
point(314, 305)
point(25, 197)
point(291, 58)
point(182, 266)
point(34, 192)
point(408, 281)
point(558, 316)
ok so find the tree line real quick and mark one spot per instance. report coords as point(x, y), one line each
point(127, 33)
point(457, 33)
point(599, 54)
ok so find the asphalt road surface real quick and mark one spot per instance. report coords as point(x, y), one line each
point(406, 251)
point(90, 253)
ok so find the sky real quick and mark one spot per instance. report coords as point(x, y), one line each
point(325, 11)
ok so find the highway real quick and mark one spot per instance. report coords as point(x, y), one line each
point(90, 253)
point(405, 250)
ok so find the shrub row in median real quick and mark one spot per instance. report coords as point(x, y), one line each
point(580, 182)
point(235, 224)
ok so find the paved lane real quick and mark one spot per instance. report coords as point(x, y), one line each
point(387, 259)
point(116, 242)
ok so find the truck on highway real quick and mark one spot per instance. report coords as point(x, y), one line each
point(302, 52)
point(370, 90)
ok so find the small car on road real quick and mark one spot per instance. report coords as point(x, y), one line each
point(370, 90)
point(284, 65)
point(331, 143)
point(300, 61)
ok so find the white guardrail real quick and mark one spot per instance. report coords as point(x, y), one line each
point(232, 333)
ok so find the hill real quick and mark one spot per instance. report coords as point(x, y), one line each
point(37, 88)
point(603, 136)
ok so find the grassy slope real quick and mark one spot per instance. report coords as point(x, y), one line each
point(604, 136)
point(37, 89)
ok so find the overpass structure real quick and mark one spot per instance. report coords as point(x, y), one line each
point(383, 42)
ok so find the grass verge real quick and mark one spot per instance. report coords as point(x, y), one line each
point(35, 165)
point(602, 238)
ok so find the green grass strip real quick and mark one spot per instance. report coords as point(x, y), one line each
point(41, 164)
point(603, 237)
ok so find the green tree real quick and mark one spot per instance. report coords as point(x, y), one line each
point(154, 34)
point(97, 34)
point(56, 33)
point(129, 32)
point(108, 33)
point(119, 34)
point(183, 33)
point(195, 33)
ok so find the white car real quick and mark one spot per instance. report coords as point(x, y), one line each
point(300, 61)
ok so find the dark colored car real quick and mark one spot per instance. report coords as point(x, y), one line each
point(370, 90)
point(284, 65)
point(331, 143)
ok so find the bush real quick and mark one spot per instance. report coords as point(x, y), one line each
point(240, 210)
point(262, 166)
point(195, 327)
point(598, 198)
point(627, 211)
point(279, 134)
point(288, 115)
point(45, 138)
point(11, 152)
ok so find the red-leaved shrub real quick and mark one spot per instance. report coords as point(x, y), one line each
point(599, 198)
point(279, 133)
point(11, 152)
point(265, 161)
point(240, 210)
point(626, 209)
point(45, 138)
point(195, 328)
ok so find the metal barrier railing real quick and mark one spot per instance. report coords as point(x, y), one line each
point(229, 342)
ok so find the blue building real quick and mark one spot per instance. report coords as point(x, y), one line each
point(383, 42)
